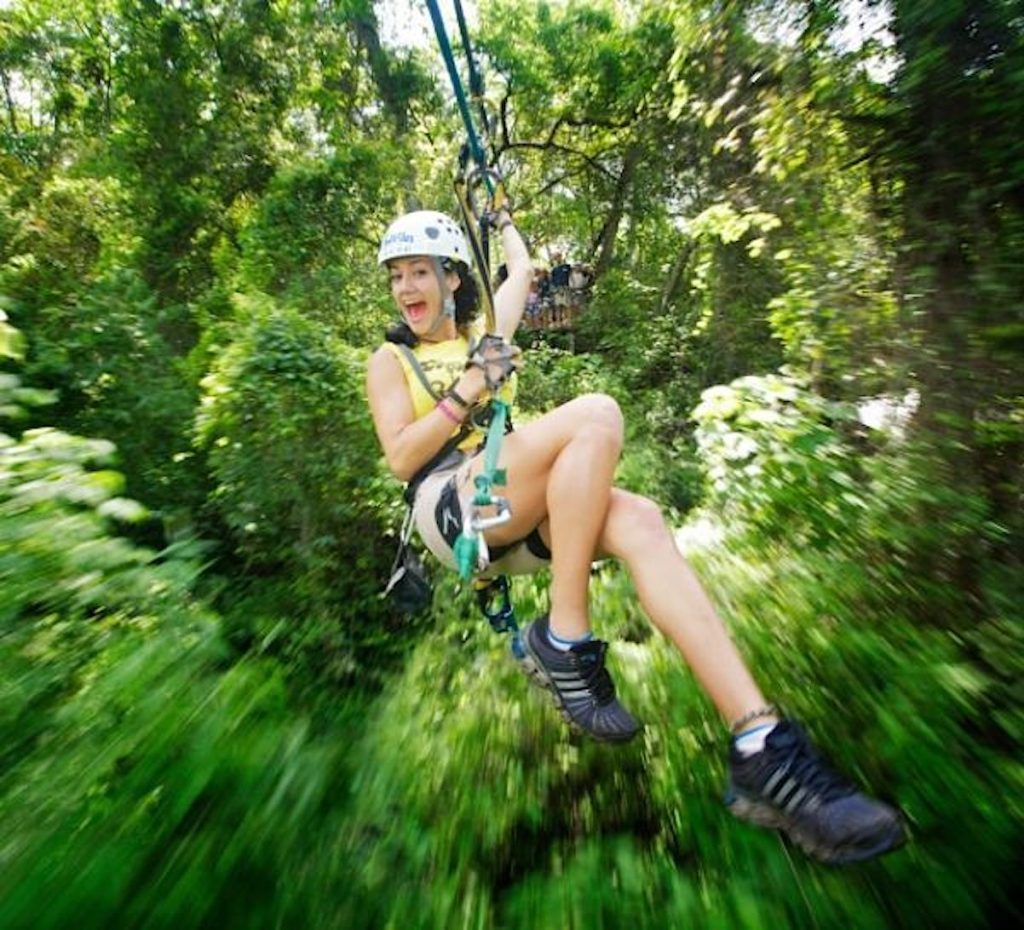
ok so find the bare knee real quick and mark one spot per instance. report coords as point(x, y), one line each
point(634, 524)
point(644, 517)
point(599, 413)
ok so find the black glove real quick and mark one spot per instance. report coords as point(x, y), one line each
point(496, 358)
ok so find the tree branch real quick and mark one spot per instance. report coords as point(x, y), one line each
point(554, 147)
point(547, 187)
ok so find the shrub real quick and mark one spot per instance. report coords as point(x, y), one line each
point(297, 482)
point(775, 460)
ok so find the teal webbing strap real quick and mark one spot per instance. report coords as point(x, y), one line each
point(491, 474)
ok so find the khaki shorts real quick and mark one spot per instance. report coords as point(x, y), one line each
point(442, 499)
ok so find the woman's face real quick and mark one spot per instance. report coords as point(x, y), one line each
point(417, 291)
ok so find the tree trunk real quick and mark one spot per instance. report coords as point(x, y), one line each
point(364, 25)
point(937, 167)
point(605, 244)
point(945, 159)
point(674, 279)
point(365, 28)
point(12, 112)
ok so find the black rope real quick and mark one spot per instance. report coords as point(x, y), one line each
point(476, 78)
point(476, 149)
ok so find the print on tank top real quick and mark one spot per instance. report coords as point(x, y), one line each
point(442, 374)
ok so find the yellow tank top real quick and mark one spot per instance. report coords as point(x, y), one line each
point(442, 364)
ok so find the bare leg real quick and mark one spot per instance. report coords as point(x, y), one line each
point(777, 783)
point(635, 531)
point(560, 469)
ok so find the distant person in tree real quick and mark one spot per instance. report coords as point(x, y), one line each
point(533, 300)
point(560, 272)
point(423, 384)
point(544, 295)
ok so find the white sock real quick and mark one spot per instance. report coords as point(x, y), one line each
point(752, 741)
point(564, 645)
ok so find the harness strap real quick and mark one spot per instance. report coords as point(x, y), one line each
point(478, 246)
point(414, 364)
point(480, 418)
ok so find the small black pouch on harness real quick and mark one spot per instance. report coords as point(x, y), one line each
point(408, 587)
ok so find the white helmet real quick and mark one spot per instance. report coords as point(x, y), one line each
point(424, 232)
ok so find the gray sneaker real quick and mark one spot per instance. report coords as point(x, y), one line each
point(580, 684)
point(788, 787)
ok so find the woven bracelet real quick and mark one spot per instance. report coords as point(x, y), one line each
point(768, 711)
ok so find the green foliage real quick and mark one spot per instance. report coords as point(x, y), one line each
point(71, 587)
point(554, 376)
point(12, 343)
point(172, 770)
point(304, 242)
point(775, 460)
point(297, 482)
point(668, 474)
point(142, 780)
point(837, 315)
point(178, 784)
point(98, 335)
point(557, 831)
point(786, 465)
point(751, 195)
point(584, 117)
point(184, 793)
point(664, 472)
point(841, 645)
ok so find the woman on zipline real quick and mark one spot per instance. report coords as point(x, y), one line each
point(565, 508)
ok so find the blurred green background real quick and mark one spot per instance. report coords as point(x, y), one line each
point(805, 220)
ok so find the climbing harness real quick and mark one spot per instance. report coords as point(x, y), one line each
point(474, 173)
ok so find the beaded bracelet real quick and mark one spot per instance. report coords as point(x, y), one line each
point(447, 411)
point(768, 711)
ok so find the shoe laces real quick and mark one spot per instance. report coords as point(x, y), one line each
point(588, 659)
point(807, 768)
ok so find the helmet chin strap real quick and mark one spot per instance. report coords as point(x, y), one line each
point(447, 300)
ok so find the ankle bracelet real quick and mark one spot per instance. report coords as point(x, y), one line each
point(767, 711)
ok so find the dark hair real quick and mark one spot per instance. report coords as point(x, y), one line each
point(467, 303)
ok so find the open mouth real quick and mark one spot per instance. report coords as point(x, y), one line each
point(416, 311)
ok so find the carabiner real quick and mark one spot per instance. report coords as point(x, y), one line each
point(491, 178)
point(504, 513)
